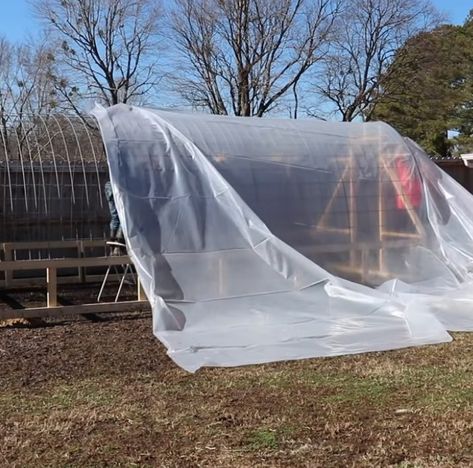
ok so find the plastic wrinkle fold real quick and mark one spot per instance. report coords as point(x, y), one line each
point(260, 240)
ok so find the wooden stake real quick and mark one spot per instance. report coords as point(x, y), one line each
point(51, 278)
point(141, 292)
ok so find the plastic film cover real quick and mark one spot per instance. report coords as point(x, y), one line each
point(259, 240)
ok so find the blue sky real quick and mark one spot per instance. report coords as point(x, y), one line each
point(456, 10)
point(17, 20)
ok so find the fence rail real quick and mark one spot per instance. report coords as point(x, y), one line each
point(51, 266)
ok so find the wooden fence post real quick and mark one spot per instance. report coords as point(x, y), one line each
point(51, 278)
point(141, 292)
point(8, 257)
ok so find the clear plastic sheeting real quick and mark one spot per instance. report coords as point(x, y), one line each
point(259, 240)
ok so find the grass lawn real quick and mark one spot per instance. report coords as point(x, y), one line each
point(105, 394)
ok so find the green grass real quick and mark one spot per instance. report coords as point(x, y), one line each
point(262, 439)
point(405, 409)
point(86, 393)
point(430, 387)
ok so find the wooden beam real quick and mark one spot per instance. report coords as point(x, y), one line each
point(411, 235)
point(381, 220)
point(59, 311)
point(353, 215)
point(89, 243)
point(41, 281)
point(346, 247)
point(332, 229)
point(322, 219)
point(378, 274)
point(58, 263)
point(8, 257)
point(141, 292)
point(62, 244)
point(81, 254)
point(51, 279)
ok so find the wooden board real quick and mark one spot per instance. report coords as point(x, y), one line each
point(58, 263)
point(60, 311)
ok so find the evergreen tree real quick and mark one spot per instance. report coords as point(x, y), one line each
point(428, 90)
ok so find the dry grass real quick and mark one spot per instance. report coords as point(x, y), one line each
point(105, 394)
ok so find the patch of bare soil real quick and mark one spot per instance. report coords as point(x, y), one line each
point(104, 393)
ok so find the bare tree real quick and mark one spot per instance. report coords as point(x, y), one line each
point(242, 56)
point(26, 89)
point(369, 34)
point(107, 49)
point(25, 86)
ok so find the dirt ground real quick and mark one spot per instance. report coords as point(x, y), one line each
point(104, 393)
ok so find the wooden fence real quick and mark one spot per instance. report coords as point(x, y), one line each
point(53, 308)
point(457, 169)
point(48, 203)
